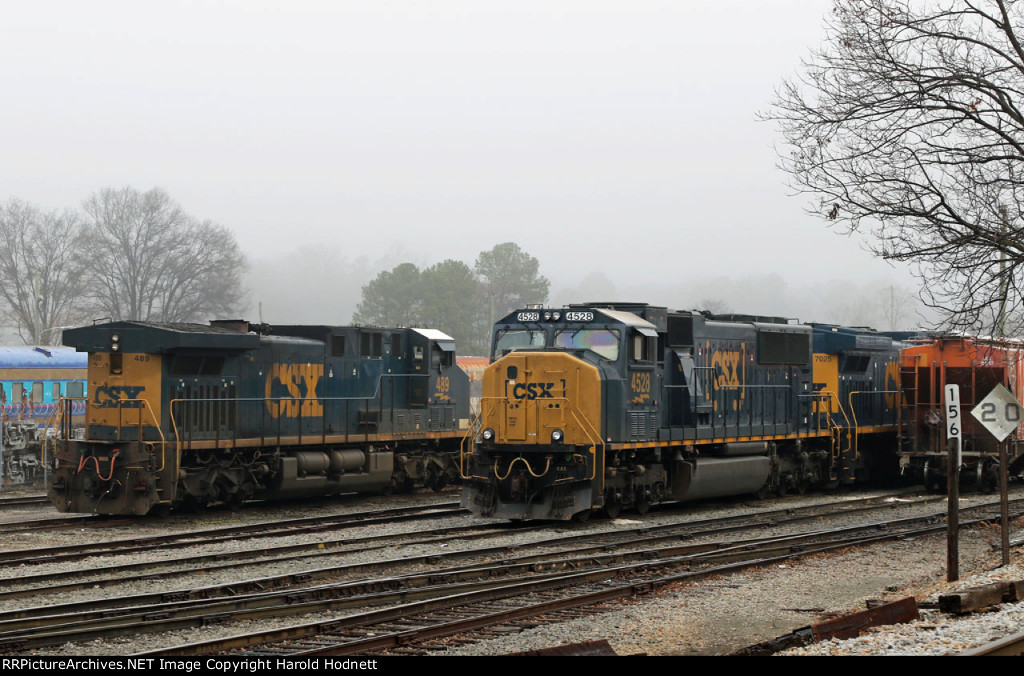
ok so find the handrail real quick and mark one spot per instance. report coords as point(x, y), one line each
point(529, 469)
point(56, 416)
point(853, 412)
point(300, 401)
point(828, 394)
point(471, 436)
point(585, 425)
point(59, 412)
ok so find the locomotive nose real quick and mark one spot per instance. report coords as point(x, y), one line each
point(542, 398)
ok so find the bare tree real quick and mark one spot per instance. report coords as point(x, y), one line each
point(39, 271)
point(907, 125)
point(896, 306)
point(146, 259)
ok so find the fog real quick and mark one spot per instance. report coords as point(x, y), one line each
point(618, 142)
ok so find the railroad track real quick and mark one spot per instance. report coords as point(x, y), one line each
point(198, 564)
point(22, 500)
point(1010, 646)
point(192, 539)
point(646, 557)
point(415, 627)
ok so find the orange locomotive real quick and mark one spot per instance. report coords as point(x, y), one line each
point(977, 366)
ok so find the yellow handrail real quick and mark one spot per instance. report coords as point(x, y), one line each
point(55, 416)
point(856, 425)
point(593, 439)
point(832, 395)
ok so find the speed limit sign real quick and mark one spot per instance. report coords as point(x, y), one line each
point(999, 412)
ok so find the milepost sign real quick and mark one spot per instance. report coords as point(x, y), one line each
point(999, 412)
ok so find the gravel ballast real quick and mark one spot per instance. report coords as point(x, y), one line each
point(715, 616)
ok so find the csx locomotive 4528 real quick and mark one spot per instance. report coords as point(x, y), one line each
point(621, 406)
point(188, 414)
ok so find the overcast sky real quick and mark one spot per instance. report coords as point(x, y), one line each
point(599, 135)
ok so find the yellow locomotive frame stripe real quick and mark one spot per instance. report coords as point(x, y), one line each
point(312, 440)
point(824, 434)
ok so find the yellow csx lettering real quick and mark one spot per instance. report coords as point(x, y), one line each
point(727, 365)
point(299, 382)
point(533, 391)
point(892, 383)
point(114, 396)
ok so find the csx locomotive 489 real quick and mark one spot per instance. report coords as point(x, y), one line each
point(188, 414)
point(621, 406)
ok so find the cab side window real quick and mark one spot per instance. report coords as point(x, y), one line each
point(640, 347)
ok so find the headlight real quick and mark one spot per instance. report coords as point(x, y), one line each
point(557, 437)
point(488, 434)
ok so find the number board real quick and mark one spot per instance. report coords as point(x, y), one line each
point(999, 412)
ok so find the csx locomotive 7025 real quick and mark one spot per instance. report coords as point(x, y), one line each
point(621, 406)
point(188, 414)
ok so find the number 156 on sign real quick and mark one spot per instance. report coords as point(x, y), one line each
point(953, 425)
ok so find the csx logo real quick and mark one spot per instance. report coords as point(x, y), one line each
point(291, 390)
point(114, 396)
point(730, 368)
point(533, 391)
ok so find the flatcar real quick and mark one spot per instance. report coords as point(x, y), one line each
point(619, 406)
point(193, 415)
point(977, 366)
point(32, 381)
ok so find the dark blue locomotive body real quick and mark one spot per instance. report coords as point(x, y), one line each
point(186, 413)
point(612, 406)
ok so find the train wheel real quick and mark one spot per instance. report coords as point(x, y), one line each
point(436, 478)
point(612, 506)
point(160, 510)
point(582, 517)
point(235, 501)
point(643, 501)
point(989, 477)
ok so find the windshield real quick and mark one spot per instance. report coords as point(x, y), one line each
point(518, 339)
point(603, 342)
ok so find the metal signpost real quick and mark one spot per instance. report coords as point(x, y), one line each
point(954, 436)
point(1000, 414)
